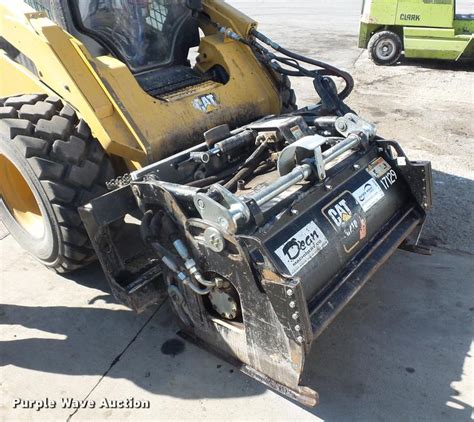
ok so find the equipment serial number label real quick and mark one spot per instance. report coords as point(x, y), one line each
point(389, 179)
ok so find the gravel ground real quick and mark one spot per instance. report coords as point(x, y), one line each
point(428, 108)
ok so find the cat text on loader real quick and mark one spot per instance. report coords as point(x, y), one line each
point(198, 182)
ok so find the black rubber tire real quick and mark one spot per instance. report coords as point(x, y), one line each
point(287, 94)
point(391, 41)
point(64, 167)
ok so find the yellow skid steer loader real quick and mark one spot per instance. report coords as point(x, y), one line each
point(163, 138)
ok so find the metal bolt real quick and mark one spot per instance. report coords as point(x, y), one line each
point(341, 125)
point(205, 158)
point(289, 292)
point(271, 138)
point(175, 294)
point(214, 239)
point(217, 243)
point(297, 328)
point(295, 316)
point(201, 204)
point(292, 304)
point(222, 222)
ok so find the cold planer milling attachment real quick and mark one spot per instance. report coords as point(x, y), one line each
point(261, 235)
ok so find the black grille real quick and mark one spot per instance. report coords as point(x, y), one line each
point(163, 81)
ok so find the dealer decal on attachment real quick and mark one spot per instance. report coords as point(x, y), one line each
point(368, 194)
point(297, 251)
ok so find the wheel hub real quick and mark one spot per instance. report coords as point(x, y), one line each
point(224, 303)
point(19, 199)
point(386, 49)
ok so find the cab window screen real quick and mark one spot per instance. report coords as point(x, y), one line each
point(143, 32)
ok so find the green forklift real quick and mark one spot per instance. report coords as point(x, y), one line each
point(428, 29)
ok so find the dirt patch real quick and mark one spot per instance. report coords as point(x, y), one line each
point(427, 107)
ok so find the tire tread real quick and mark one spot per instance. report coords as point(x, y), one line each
point(288, 96)
point(373, 43)
point(71, 165)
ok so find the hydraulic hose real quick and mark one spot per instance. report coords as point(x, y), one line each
point(269, 58)
point(196, 289)
point(190, 264)
point(201, 183)
point(149, 220)
point(330, 69)
point(169, 261)
point(249, 166)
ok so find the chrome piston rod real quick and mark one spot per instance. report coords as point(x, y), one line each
point(298, 174)
point(302, 172)
point(352, 141)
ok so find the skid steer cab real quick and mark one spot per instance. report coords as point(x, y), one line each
point(200, 182)
point(418, 28)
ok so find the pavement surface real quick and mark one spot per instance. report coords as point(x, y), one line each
point(401, 350)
